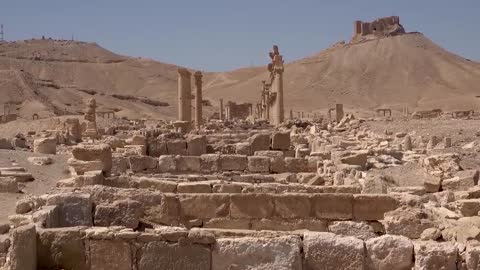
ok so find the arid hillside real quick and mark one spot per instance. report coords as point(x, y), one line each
point(50, 77)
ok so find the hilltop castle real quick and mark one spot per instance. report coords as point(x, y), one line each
point(383, 27)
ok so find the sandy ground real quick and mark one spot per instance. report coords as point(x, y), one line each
point(45, 177)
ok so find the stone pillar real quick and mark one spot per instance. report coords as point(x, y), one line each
point(339, 112)
point(184, 95)
point(303, 115)
point(198, 99)
point(448, 142)
point(91, 117)
point(221, 109)
point(277, 113)
point(408, 143)
point(291, 114)
point(251, 110)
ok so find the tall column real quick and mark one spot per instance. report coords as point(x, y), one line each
point(184, 95)
point(221, 110)
point(277, 113)
point(339, 112)
point(291, 114)
point(198, 99)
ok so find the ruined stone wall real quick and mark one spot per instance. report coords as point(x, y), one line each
point(382, 27)
point(238, 111)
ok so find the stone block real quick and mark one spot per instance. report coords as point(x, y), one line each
point(327, 251)
point(75, 209)
point(162, 255)
point(332, 206)
point(244, 148)
point(45, 146)
point(121, 213)
point(315, 225)
point(372, 206)
point(61, 248)
point(458, 184)
point(292, 206)
point(389, 252)
point(142, 163)
point(227, 188)
point(196, 145)
point(4, 244)
point(472, 257)
point(257, 253)
point(228, 223)
point(251, 206)
point(360, 230)
point(136, 140)
point(468, 207)
point(119, 165)
point(177, 147)
point(110, 254)
point(8, 185)
point(432, 184)
point(5, 144)
point(281, 141)
point(260, 142)
point(409, 222)
point(258, 164)
point(188, 163)
point(204, 206)
point(194, 187)
point(156, 147)
point(23, 253)
point(277, 162)
point(296, 165)
point(156, 184)
point(233, 162)
point(435, 255)
point(167, 164)
point(210, 163)
point(100, 153)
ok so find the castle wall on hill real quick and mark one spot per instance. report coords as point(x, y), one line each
point(377, 27)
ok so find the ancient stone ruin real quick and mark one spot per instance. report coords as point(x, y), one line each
point(383, 27)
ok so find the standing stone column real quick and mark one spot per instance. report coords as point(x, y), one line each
point(291, 114)
point(184, 95)
point(221, 109)
point(339, 112)
point(198, 99)
point(277, 113)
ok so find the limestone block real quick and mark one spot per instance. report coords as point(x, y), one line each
point(468, 207)
point(8, 185)
point(188, 163)
point(141, 163)
point(435, 255)
point(259, 164)
point(62, 248)
point(325, 251)
point(407, 222)
point(358, 158)
point(227, 188)
point(163, 255)
point(100, 152)
point(210, 163)
point(75, 209)
point(389, 252)
point(251, 206)
point(204, 206)
point(194, 187)
point(121, 213)
point(281, 141)
point(361, 230)
point(156, 184)
point(292, 206)
point(5, 144)
point(40, 161)
point(260, 142)
point(244, 148)
point(313, 163)
point(315, 225)
point(19, 143)
point(167, 164)
point(4, 244)
point(472, 258)
point(458, 184)
point(372, 206)
point(374, 185)
point(432, 184)
point(119, 165)
point(23, 253)
point(20, 177)
point(277, 162)
point(281, 253)
point(228, 223)
point(110, 254)
point(296, 165)
point(45, 146)
point(196, 145)
point(332, 206)
point(233, 162)
point(156, 147)
point(136, 140)
point(177, 147)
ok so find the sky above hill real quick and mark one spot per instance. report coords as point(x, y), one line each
point(219, 35)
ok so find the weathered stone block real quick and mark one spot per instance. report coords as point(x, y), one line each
point(332, 206)
point(8, 185)
point(315, 225)
point(434, 255)
point(292, 206)
point(233, 162)
point(110, 254)
point(259, 164)
point(325, 251)
point(257, 253)
point(372, 206)
point(360, 230)
point(196, 145)
point(251, 206)
point(188, 163)
point(141, 163)
point(469, 207)
point(45, 146)
point(260, 142)
point(243, 149)
point(156, 147)
point(296, 165)
point(5, 144)
point(162, 255)
point(75, 209)
point(389, 252)
point(277, 162)
point(204, 206)
point(177, 147)
point(210, 163)
point(23, 253)
point(167, 164)
point(281, 141)
point(194, 187)
point(101, 153)
point(121, 213)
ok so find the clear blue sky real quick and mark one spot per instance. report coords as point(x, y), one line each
point(217, 35)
